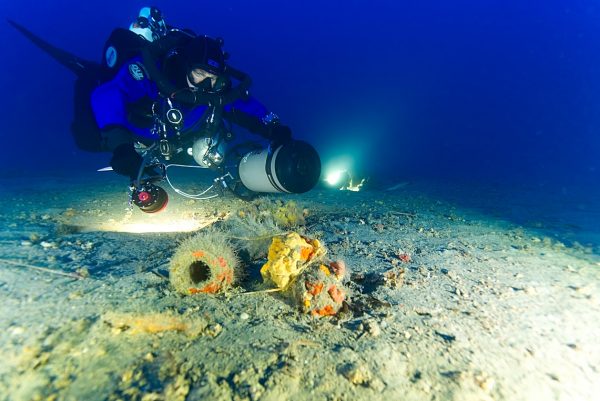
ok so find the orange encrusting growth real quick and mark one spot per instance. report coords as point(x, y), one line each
point(336, 294)
point(327, 310)
point(305, 253)
point(314, 289)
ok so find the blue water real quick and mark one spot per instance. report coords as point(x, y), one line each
point(477, 125)
point(501, 92)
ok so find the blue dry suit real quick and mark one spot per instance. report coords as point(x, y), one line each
point(113, 101)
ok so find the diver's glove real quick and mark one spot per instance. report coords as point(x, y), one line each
point(279, 134)
point(268, 126)
point(126, 161)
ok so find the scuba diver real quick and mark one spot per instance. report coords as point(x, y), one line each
point(163, 94)
point(189, 65)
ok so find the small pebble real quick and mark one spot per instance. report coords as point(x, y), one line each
point(16, 330)
point(485, 383)
point(357, 374)
point(373, 328)
point(214, 330)
point(244, 316)
point(377, 384)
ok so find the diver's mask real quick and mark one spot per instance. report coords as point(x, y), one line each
point(206, 81)
point(205, 63)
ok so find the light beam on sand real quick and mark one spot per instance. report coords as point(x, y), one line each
point(178, 218)
point(154, 227)
point(153, 224)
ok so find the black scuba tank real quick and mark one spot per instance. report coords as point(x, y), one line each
point(122, 45)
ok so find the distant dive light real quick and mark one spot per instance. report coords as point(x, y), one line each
point(343, 180)
point(335, 177)
point(293, 167)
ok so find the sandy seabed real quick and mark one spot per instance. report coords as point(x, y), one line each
point(446, 301)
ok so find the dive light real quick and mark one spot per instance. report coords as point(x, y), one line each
point(150, 198)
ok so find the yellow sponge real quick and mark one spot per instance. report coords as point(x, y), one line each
point(296, 266)
point(288, 256)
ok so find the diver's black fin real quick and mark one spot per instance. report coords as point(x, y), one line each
point(83, 68)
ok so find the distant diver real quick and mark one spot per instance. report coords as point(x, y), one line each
point(162, 93)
